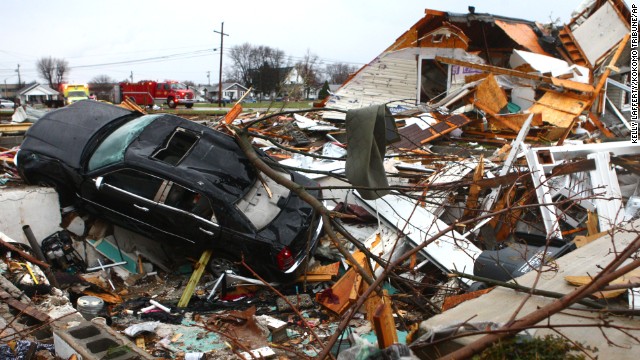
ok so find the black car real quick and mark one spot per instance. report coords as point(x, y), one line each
point(173, 180)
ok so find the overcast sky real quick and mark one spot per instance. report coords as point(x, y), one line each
point(93, 35)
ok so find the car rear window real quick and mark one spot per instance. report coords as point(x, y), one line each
point(111, 150)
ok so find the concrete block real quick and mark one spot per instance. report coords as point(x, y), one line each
point(74, 335)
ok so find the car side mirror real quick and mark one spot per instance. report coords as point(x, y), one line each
point(98, 182)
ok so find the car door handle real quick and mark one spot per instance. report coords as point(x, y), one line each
point(210, 233)
point(145, 209)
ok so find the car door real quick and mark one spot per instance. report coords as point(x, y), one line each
point(126, 196)
point(188, 213)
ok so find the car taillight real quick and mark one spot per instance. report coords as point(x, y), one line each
point(285, 258)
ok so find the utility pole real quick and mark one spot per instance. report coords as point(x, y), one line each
point(131, 76)
point(222, 35)
point(18, 71)
point(208, 77)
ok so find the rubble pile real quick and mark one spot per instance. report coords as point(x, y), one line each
point(499, 173)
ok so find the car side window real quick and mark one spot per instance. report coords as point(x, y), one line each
point(135, 182)
point(190, 201)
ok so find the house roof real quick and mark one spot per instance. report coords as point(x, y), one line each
point(37, 89)
point(479, 28)
point(225, 86)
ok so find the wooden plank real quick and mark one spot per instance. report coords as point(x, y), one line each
point(14, 128)
point(568, 84)
point(496, 117)
point(383, 322)
point(195, 278)
point(24, 308)
point(474, 192)
point(592, 223)
point(517, 119)
point(341, 290)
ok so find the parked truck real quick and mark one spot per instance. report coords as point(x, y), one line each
point(148, 93)
point(74, 92)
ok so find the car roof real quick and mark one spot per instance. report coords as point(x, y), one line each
point(215, 165)
point(64, 133)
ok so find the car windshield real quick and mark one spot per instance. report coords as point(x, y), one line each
point(178, 86)
point(77, 94)
point(111, 150)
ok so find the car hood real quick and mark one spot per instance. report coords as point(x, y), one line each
point(64, 133)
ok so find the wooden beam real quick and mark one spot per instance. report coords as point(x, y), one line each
point(195, 278)
point(384, 325)
point(474, 192)
point(568, 84)
point(24, 308)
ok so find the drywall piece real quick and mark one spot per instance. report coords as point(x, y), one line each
point(523, 96)
point(550, 65)
point(35, 206)
point(450, 251)
point(601, 31)
point(606, 190)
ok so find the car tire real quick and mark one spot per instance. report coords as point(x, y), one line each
point(221, 263)
point(189, 106)
point(172, 103)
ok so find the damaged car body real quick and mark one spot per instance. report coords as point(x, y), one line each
point(174, 180)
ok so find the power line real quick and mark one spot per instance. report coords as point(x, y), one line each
point(197, 53)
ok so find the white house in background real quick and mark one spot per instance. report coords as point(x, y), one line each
point(37, 94)
point(231, 91)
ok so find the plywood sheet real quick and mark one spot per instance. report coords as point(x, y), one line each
point(491, 95)
point(558, 109)
point(522, 34)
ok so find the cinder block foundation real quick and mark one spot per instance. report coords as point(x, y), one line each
point(92, 340)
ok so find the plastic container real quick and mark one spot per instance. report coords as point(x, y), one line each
point(89, 306)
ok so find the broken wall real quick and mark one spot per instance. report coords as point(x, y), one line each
point(35, 206)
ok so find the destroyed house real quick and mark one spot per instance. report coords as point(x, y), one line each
point(394, 74)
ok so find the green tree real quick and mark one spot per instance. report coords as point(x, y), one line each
point(324, 92)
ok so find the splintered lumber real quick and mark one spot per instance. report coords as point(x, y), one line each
point(628, 278)
point(596, 121)
point(496, 116)
point(413, 136)
point(23, 308)
point(567, 84)
point(455, 300)
point(582, 240)
point(14, 128)
point(474, 191)
point(383, 323)
point(341, 290)
point(321, 273)
point(195, 278)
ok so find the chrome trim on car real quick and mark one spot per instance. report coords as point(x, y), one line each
point(314, 241)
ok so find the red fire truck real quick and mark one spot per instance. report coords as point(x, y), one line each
point(149, 92)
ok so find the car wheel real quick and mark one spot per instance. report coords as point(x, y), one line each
point(172, 103)
point(222, 263)
point(189, 106)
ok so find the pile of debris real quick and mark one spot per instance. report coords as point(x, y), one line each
point(515, 166)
